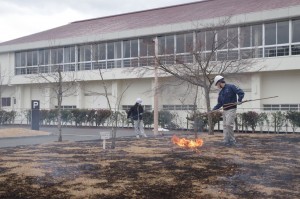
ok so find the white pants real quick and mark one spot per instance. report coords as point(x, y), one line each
point(228, 122)
point(139, 127)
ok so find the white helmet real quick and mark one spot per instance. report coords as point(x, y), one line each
point(139, 100)
point(217, 79)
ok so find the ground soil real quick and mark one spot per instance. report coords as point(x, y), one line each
point(260, 166)
point(20, 132)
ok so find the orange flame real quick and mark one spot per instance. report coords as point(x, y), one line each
point(182, 142)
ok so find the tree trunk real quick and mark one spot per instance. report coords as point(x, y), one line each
point(210, 122)
point(59, 119)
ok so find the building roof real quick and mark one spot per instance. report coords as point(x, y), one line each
point(199, 10)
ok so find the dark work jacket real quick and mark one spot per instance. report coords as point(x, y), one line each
point(228, 95)
point(136, 112)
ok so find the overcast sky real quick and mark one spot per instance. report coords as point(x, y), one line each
point(19, 18)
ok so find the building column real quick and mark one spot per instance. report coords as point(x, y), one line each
point(256, 91)
point(80, 95)
point(115, 87)
point(47, 104)
point(19, 100)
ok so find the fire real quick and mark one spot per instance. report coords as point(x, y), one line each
point(182, 142)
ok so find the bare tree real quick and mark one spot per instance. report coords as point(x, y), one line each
point(117, 107)
point(213, 51)
point(62, 84)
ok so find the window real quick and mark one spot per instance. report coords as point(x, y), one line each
point(270, 34)
point(209, 40)
point(296, 31)
point(283, 32)
point(147, 47)
point(67, 107)
point(179, 107)
point(200, 41)
point(256, 35)
point(222, 39)
point(277, 34)
point(6, 101)
point(184, 43)
point(147, 108)
point(69, 54)
point(166, 45)
point(281, 107)
point(130, 48)
point(44, 56)
point(233, 40)
point(57, 56)
point(245, 36)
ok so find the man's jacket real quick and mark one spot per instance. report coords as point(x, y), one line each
point(228, 95)
point(136, 112)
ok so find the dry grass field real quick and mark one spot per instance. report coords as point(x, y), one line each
point(260, 166)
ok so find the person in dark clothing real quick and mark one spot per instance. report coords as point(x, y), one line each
point(136, 113)
point(229, 101)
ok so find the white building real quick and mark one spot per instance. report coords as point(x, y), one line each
point(114, 44)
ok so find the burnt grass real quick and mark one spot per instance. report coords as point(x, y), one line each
point(260, 166)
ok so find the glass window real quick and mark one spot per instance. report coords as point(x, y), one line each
point(110, 50)
point(210, 40)
point(233, 40)
point(134, 48)
point(56, 55)
point(35, 58)
point(69, 54)
point(6, 101)
point(257, 35)
point(170, 44)
point(126, 49)
point(189, 42)
point(283, 50)
point(85, 53)
point(118, 50)
point(180, 43)
point(29, 58)
point(296, 30)
point(23, 58)
point(270, 34)
point(147, 47)
point(245, 36)
point(200, 41)
point(270, 52)
point(222, 39)
point(283, 32)
point(18, 59)
point(295, 49)
point(161, 45)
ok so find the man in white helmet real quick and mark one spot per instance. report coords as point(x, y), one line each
point(229, 97)
point(136, 113)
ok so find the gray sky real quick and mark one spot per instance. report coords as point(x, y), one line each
point(19, 18)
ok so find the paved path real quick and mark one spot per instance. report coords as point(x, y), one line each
point(69, 133)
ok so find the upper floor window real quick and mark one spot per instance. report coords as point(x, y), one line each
point(184, 43)
point(296, 31)
point(166, 45)
point(147, 47)
point(130, 48)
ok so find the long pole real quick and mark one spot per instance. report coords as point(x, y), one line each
point(234, 104)
point(155, 89)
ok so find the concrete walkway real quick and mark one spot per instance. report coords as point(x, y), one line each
point(68, 134)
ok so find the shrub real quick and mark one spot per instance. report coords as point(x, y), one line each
point(251, 119)
point(101, 116)
point(294, 118)
point(148, 118)
point(278, 119)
